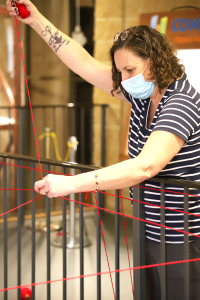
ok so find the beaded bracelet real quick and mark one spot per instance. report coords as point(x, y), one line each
point(97, 182)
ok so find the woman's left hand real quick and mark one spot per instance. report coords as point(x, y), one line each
point(55, 185)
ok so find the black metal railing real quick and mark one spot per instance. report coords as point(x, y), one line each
point(138, 232)
point(64, 120)
point(20, 163)
point(139, 236)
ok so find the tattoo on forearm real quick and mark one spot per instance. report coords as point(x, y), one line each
point(55, 40)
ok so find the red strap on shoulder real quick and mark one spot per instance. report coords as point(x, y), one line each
point(23, 12)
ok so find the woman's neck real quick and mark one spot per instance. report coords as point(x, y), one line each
point(157, 96)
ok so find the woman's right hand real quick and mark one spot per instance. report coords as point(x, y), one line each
point(13, 11)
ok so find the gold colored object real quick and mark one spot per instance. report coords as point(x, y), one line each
point(97, 182)
point(54, 136)
point(41, 226)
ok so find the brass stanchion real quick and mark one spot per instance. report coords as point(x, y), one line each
point(72, 239)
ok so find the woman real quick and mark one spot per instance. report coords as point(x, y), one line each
point(164, 134)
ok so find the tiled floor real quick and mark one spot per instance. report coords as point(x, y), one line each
point(73, 290)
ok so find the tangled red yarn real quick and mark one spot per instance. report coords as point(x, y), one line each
point(23, 12)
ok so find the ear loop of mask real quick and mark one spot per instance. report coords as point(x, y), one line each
point(145, 68)
point(146, 65)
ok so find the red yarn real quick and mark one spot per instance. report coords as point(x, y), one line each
point(26, 293)
point(23, 12)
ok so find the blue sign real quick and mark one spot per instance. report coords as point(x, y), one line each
point(185, 24)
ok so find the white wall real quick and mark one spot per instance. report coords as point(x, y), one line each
point(191, 61)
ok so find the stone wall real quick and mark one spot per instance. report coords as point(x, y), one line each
point(111, 17)
point(49, 76)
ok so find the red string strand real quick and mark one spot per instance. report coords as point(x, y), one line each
point(29, 98)
point(113, 212)
point(150, 204)
point(100, 273)
point(166, 191)
point(127, 243)
point(20, 206)
point(131, 217)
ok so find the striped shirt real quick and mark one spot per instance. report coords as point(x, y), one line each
point(178, 112)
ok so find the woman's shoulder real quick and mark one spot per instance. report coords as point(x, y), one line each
point(182, 89)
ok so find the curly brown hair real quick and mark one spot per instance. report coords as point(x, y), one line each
point(149, 43)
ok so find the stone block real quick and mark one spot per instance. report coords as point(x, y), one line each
point(107, 9)
point(105, 29)
point(97, 116)
point(102, 97)
point(132, 22)
point(113, 116)
point(102, 49)
point(132, 8)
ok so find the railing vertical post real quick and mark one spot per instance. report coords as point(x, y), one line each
point(64, 243)
point(73, 121)
point(186, 245)
point(0, 132)
point(98, 251)
point(5, 229)
point(163, 256)
point(117, 245)
point(33, 228)
point(91, 111)
point(9, 169)
point(21, 130)
point(9, 129)
point(48, 244)
point(19, 224)
point(43, 128)
point(54, 155)
point(64, 132)
point(32, 134)
point(103, 114)
point(139, 245)
point(54, 127)
point(82, 141)
point(81, 234)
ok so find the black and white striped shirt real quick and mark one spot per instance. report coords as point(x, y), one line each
point(178, 112)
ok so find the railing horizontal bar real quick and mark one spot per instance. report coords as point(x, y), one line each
point(173, 181)
point(166, 180)
point(50, 162)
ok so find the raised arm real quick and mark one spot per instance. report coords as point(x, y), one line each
point(70, 52)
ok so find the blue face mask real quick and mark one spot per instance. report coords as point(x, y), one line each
point(137, 87)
